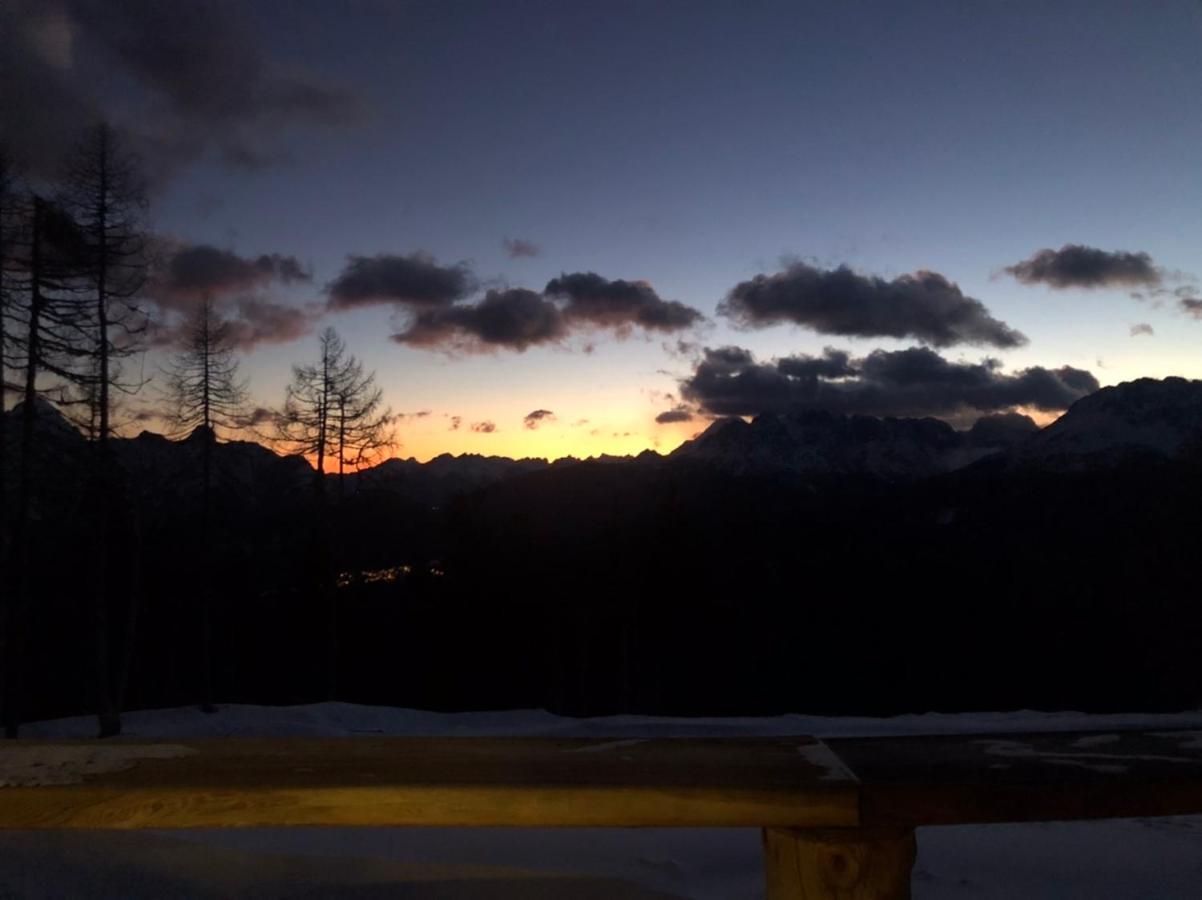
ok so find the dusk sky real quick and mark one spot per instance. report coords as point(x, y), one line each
point(388, 167)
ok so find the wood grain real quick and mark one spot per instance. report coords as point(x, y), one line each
point(241, 782)
point(839, 864)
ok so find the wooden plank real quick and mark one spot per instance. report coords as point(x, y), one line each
point(426, 781)
point(839, 863)
point(943, 779)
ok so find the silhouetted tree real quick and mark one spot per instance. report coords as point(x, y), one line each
point(362, 430)
point(332, 410)
point(203, 386)
point(205, 393)
point(331, 414)
point(50, 327)
point(104, 193)
point(305, 422)
point(8, 194)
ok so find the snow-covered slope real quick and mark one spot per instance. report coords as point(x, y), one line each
point(1161, 417)
point(814, 443)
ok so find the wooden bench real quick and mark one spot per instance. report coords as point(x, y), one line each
point(838, 816)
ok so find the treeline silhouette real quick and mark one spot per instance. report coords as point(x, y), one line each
point(77, 304)
point(196, 569)
point(656, 586)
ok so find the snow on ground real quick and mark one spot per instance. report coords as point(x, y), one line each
point(1117, 860)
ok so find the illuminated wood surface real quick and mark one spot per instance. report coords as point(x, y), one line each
point(839, 864)
point(235, 782)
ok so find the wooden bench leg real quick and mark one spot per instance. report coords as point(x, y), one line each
point(839, 863)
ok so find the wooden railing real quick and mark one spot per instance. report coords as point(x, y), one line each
point(838, 815)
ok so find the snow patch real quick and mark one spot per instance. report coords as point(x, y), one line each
point(1096, 740)
point(608, 745)
point(1188, 740)
point(33, 765)
point(823, 757)
point(1112, 763)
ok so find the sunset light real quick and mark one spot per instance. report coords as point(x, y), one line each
point(616, 449)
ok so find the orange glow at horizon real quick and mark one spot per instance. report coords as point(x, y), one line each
point(1042, 418)
point(552, 440)
point(426, 437)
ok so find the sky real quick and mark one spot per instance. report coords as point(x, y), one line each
point(613, 212)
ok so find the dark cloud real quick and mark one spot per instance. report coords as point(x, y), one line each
point(456, 421)
point(832, 364)
point(185, 274)
point(484, 427)
point(509, 318)
point(260, 415)
point(1142, 328)
point(925, 306)
point(416, 280)
point(1077, 266)
point(188, 272)
point(513, 319)
point(1187, 296)
point(517, 248)
point(262, 321)
point(420, 414)
point(42, 105)
point(679, 414)
point(681, 348)
point(194, 81)
point(1189, 300)
point(533, 419)
point(727, 358)
point(252, 321)
point(618, 304)
point(913, 382)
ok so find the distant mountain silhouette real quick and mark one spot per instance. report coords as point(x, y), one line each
point(813, 442)
point(441, 478)
point(1147, 417)
point(168, 472)
point(1156, 418)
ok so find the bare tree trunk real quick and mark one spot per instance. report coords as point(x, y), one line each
point(206, 599)
point(5, 600)
point(107, 715)
point(137, 597)
point(19, 611)
point(327, 576)
point(108, 719)
point(341, 451)
point(206, 504)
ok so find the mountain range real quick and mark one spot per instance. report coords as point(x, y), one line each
point(1146, 418)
